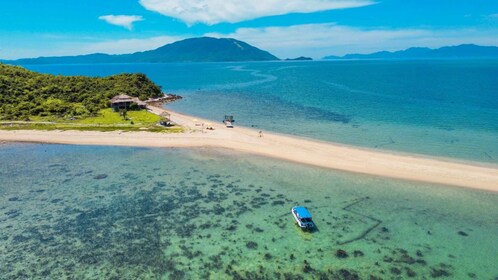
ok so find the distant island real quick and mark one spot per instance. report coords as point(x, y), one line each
point(299, 58)
point(204, 49)
point(461, 51)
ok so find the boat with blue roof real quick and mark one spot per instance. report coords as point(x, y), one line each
point(303, 217)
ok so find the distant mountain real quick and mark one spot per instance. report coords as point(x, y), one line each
point(461, 51)
point(299, 58)
point(203, 49)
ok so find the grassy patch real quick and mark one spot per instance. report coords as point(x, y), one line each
point(107, 116)
point(80, 127)
point(107, 120)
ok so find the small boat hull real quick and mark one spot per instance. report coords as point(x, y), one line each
point(303, 217)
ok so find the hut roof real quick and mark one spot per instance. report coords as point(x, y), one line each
point(122, 98)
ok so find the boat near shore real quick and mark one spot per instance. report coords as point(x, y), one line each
point(228, 121)
point(303, 217)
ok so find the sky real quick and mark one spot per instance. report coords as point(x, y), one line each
point(286, 28)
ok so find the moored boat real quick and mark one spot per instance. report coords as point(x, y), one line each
point(228, 121)
point(302, 217)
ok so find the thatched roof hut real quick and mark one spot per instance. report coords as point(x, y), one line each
point(124, 101)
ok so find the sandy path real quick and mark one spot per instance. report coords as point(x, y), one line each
point(322, 154)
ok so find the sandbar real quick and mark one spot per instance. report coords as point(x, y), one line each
point(305, 151)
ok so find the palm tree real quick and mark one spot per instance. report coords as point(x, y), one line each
point(124, 113)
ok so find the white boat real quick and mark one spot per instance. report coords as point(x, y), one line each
point(228, 121)
point(302, 217)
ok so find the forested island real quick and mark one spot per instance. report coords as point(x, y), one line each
point(301, 58)
point(43, 101)
point(24, 93)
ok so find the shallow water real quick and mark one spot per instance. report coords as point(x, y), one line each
point(136, 213)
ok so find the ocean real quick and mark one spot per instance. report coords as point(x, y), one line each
point(85, 212)
point(441, 108)
point(91, 212)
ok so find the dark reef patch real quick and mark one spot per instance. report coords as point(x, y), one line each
point(13, 213)
point(258, 230)
point(251, 245)
point(358, 253)
point(341, 254)
point(278, 202)
point(100, 176)
point(439, 272)
point(410, 272)
point(307, 267)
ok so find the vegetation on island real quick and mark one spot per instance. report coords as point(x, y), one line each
point(24, 93)
point(105, 120)
point(30, 100)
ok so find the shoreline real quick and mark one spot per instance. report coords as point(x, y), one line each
point(315, 153)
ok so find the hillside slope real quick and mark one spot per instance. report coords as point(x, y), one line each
point(24, 93)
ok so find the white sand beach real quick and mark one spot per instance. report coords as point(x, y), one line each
point(295, 149)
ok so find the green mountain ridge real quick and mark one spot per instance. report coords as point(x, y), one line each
point(204, 49)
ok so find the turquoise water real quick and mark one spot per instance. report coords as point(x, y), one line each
point(134, 213)
point(84, 212)
point(445, 108)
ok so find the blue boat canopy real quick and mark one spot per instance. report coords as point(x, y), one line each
point(302, 212)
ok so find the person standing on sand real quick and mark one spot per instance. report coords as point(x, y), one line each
point(260, 133)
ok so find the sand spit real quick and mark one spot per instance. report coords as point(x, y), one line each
point(316, 153)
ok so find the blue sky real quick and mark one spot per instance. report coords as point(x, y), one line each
point(287, 28)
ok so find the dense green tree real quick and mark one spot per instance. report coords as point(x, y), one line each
point(25, 93)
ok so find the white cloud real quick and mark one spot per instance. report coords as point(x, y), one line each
point(121, 20)
point(318, 40)
point(216, 11)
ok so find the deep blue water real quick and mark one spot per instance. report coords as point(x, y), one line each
point(445, 108)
